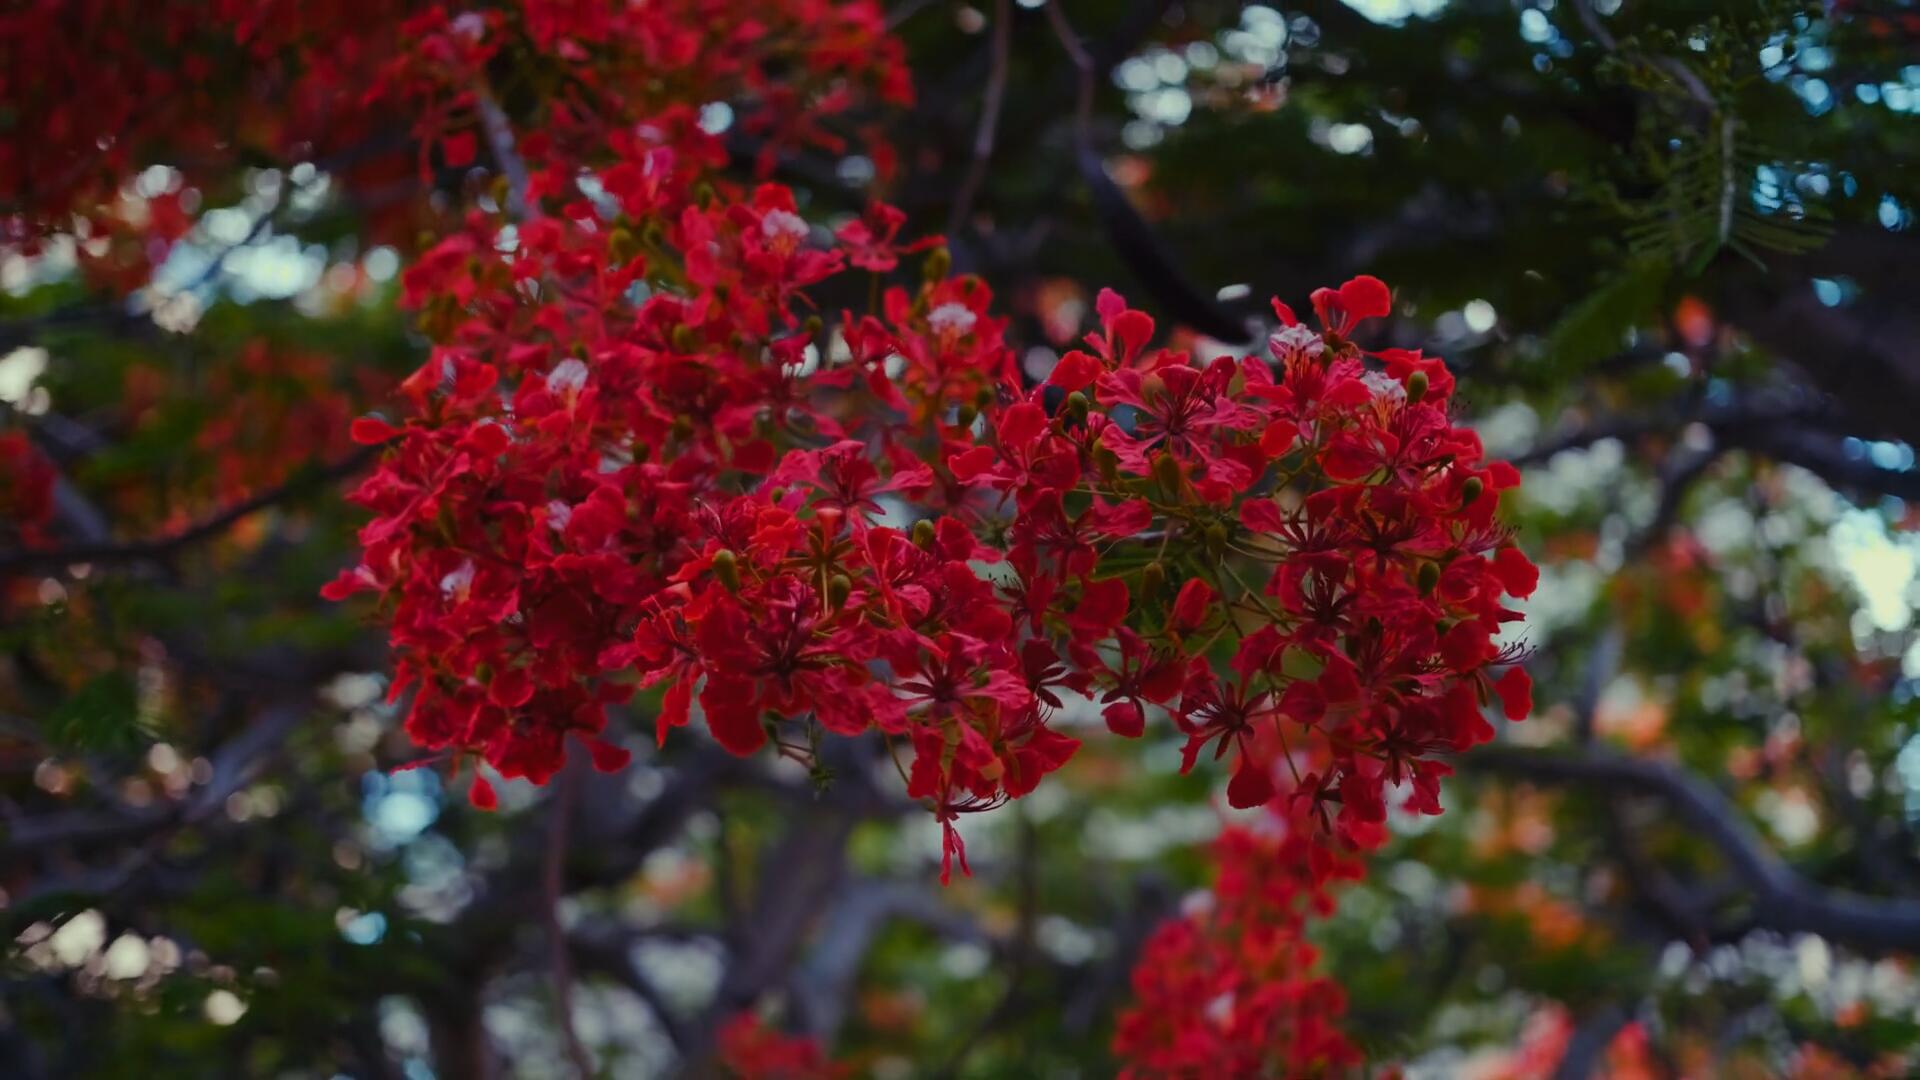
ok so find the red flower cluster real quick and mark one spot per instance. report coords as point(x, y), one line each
point(377, 92)
point(639, 457)
point(26, 490)
point(749, 1050)
point(1227, 989)
point(665, 490)
point(597, 478)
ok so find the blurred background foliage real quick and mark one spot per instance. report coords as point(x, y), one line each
point(1669, 247)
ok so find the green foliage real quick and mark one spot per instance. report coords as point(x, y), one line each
point(101, 716)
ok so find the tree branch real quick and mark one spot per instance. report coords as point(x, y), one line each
point(161, 547)
point(553, 884)
point(990, 106)
point(1783, 900)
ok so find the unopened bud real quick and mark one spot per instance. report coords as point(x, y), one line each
point(684, 339)
point(813, 326)
point(839, 587)
point(1166, 471)
point(965, 415)
point(1416, 387)
point(1154, 578)
point(621, 245)
point(938, 265)
point(1470, 491)
point(1076, 407)
point(1216, 537)
point(726, 569)
point(923, 534)
point(1427, 577)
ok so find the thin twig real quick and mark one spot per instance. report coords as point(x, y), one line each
point(499, 132)
point(554, 883)
point(990, 106)
point(1678, 70)
point(1084, 68)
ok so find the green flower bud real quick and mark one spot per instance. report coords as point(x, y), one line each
point(726, 569)
point(938, 265)
point(1166, 472)
point(1076, 407)
point(1416, 387)
point(1153, 579)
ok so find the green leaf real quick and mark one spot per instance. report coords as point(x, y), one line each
point(103, 715)
point(1597, 326)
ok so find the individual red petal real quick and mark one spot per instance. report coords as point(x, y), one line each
point(459, 149)
point(1349, 457)
point(511, 688)
point(1366, 297)
point(675, 708)
point(1465, 647)
point(970, 464)
point(733, 715)
point(1190, 607)
point(481, 793)
point(1261, 515)
point(371, 431)
point(1134, 329)
point(1285, 313)
point(350, 581)
point(1127, 519)
point(1252, 784)
point(1516, 571)
point(1516, 693)
point(1075, 371)
point(1021, 425)
point(1125, 719)
point(1279, 438)
point(1102, 605)
point(1340, 681)
point(608, 757)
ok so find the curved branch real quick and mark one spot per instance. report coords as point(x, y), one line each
point(161, 547)
point(1138, 246)
point(990, 106)
point(1783, 900)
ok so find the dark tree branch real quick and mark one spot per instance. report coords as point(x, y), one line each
point(990, 106)
point(1143, 251)
point(1783, 900)
point(1792, 428)
point(235, 765)
point(825, 980)
point(559, 832)
point(161, 548)
point(1590, 1041)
